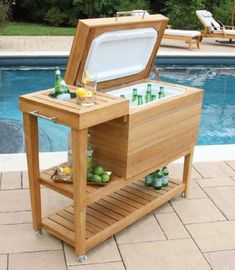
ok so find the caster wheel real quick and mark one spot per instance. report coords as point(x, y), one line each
point(39, 234)
point(183, 194)
point(82, 258)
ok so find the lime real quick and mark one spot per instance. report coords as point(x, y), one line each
point(89, 176)
point(98, 170)
point(96, 178)
point(105, 177)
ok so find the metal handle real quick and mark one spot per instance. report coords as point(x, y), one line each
point(36, 113)
point(131, 13)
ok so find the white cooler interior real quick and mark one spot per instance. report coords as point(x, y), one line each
point(141, 89)
point(119, 54)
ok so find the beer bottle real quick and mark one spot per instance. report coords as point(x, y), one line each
point(161, 92)
point(165, 174)
point(134, 95)
point(157, 184)
point(140, 100)
point(153, 97)
point(149, 180)
point(57, 81)
point(148, 95)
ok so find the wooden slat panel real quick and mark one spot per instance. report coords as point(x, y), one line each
point(59, 231)
point(128, 204)
point(131, 196)
point(159, 124)
point(101, 209)
point(113, 207)
point(96, 222)
point(141, 194)
point(100, 216)
point(111, 230)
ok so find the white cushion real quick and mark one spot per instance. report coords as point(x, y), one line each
point(184, 33)
point(207, 20)
point(229, 32)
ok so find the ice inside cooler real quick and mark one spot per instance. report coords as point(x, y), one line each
point(126, 92)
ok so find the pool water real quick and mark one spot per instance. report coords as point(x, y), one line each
point(218, 115)
point(218, 110)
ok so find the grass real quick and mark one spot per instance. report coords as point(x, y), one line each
point(33, 29)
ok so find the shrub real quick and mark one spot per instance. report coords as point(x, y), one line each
point(54, 17)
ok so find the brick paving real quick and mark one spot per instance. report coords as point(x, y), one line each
point(185, 234)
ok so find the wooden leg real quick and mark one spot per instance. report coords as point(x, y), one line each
point(79, 152)
point(190, 44)
point(31, 143)
point(188, 159)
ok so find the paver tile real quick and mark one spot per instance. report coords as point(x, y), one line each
point(25, 179)
point(176, 171)
point(214, 169)
point(14, 200)
point(165, 208)
point(11, 180)
point(44, 260)
point(15, 217)
point(224, 198)
point(214, 236)
point(197, 211)
point(52, 201)
point(3, 262)
point(222, 260)
point(231, 163)
point(105, 252)
point(172, 226)
point(195, 192)
point(146, 229)
point(21, 238)
point(100, 266)
point(170, 255)
point(215, 182)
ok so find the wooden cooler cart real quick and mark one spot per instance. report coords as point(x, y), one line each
point(129, 141)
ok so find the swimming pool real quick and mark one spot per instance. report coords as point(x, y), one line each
point(218, 116)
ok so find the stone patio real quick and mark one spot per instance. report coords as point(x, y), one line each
point(194, 233)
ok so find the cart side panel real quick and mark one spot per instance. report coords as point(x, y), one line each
point(150, 136)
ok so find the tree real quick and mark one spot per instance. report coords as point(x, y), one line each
point(182, 13)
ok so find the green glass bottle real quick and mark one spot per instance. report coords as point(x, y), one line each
point(157, 183)
point(140, 100)
point(148, 96)
point(134, 95)
point(165, 175)
point(57, 81)
point(161, 92)
point(153, 97)
point(149, 180)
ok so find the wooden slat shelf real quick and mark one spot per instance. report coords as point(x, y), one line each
point(95, 193)
point(112, 213)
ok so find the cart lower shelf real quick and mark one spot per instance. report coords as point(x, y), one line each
point(111, 214)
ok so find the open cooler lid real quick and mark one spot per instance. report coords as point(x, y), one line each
point(115, 51)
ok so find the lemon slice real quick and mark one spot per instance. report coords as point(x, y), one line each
point(87, 77)
point(81, 92)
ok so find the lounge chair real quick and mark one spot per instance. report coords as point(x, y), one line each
point(214, 28)
point(187, 35)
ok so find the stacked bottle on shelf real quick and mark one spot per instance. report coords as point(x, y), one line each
point(157, 179)
point(150, 95)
